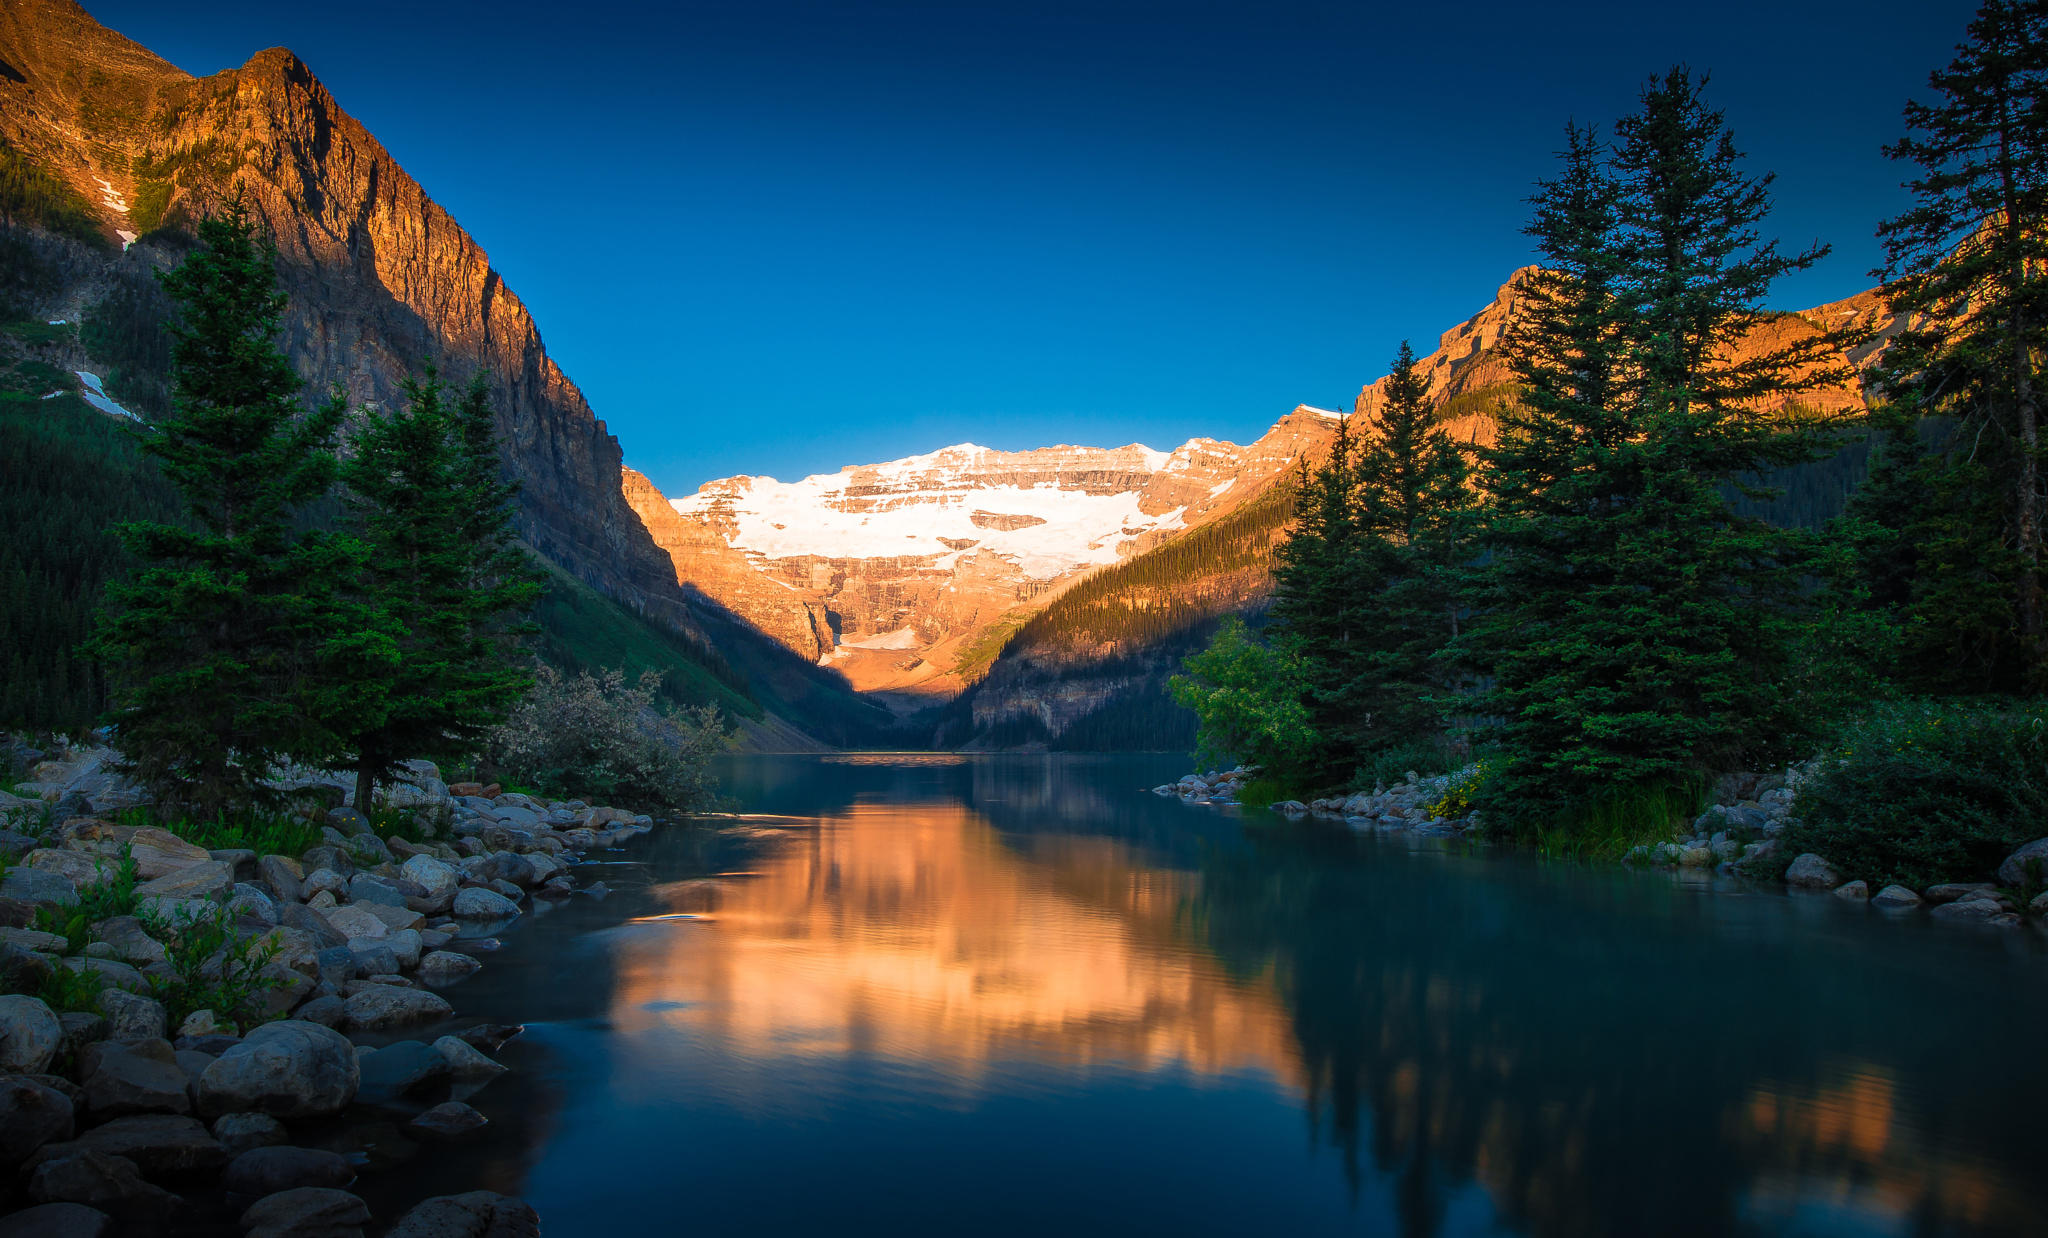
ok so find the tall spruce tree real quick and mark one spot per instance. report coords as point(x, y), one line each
point(1636, 630)
point(1318, 599)
point(434, 515)
point(1968, 263)
point(214, 646)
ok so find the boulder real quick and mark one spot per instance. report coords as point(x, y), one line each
point(480, 904)
point(370, 957)
point(30, 1035)
point(1950, 891)
point(33, 885)
point(1895, 896)
point(449, 1120)
point(239, 1132)
point(476, 1214)
point(407, 1068)
point(2026, 867)
point(1856, 890)
point(378, 1007)
point(325, 879)
point(441, 967)
point(285, 876)
point(268, 1170)
point(131, 1016)
point(251, 903)
point(439, 880)
point(306, 1212)
point(116, 974)
point(57, 1221)
point(313, 924)
point(465, 1062)
point(1811, 872)
point(1968, 911)
point(31, 1115)
point(405, 943)
point(365, 888)
point(355, 921)
point(489, 1037)
point(131, 943)
point(82, 869)
point(394, 917)
point(327, 1011)
point(290, 1069)
point(159, 853)
point(109, 1183)
point(209, 880)
point(160, 1145)
point(132, 1076)
point(34, 939)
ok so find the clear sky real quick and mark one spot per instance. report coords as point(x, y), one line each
point(770, 237)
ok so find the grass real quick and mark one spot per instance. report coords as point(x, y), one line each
point(1609, 827)
point(582, 630)
point(263, 833)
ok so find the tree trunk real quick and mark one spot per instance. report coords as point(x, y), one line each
point(366, 788)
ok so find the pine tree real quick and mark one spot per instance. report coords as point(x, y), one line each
point(1969, 265)
point(1638, 632)
point(211, 649)
point(1320, 587)
point(434, 516)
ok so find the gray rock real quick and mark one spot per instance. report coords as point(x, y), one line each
point(1968, 911)
point(57, 1221)
point(290, 1069)
point(306, 1212)
point(404, 944)
point(131, 943)
point(479, 904)
point(248, 902)
point(1950, 891)
point(30, 1035)
point(123, 1077)
point(466, 1062)
point(1812, 872)
point(371, 957)
point(324, 879)
point(159, 853)
point(511, 866)
point(268, 1170)
point(489, 1037)
point(118, 974)
point(313, 924)
point(31, 1115)
point(405, 1069)
point(477, 1214)
point(2027, 866)
point(369, 851)
point(285, 876)
point(512, 891)
point(34, 885)
point(208, 880)
point(240, 1132)
point(109, 1183)
point(380, 1006)
point(327, 1011)
point(446, 967)
point(160, 1145)
point(2039, 905)
point(356, 920)
point(1895, 896)
point(439, 881)
point(450, 1120)
point(132, 1016)
point(364, 888)
point(1856, 890)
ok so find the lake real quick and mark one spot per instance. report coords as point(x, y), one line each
point(1020, 995)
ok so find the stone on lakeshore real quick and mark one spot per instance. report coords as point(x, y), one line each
point(449, 1120)
point(83, 870)
point(57, 1221)
point(159, 853)
point(2039, 905)
point(405, 945)
point(117, 974)
point(324, 879)
point(240, 1132)
point(407, 1068)
point(475, 1214)
point(1812, 872)
point(249, 902)
point(366, 888)
point(1695, 855)
point(31, 1115)
point(313, 923)
point(81, 1028)
point(393, 917)
point(110, 1183)
point(295, 1068)
point(371, 957)
point(268, 1170)
point(1950, 891)
point(446, 967)
point(380, 1006)
point(466, 1061)
point(30, 1035)
point(489, 1037)
point(1968, 911)
point(1857, 890)
point(480, 904)
point(33, 939)
point(306, 1212)
point(2027, 866)
point(355, 921)
point(131, 943)
point(241, 861)
point(131, 1016)
point(285, 876)
point(209, 880)
point(34, 885)
point(1895, 896)
point(205, 1023)
point(327, 1011)
point(440, 881)
point(159, 1145)
point(121, 1077)
point(510, 867)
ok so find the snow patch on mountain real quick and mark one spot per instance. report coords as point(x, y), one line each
point(96, 395)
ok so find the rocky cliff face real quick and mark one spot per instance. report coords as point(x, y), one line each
point(892, 572)
point(380, 278)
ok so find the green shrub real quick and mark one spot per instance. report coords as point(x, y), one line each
point(210, 967)
point(103, 900)
point(274, 833)
point(1249, 698)
point(1927, 791)
point(597, 739)
point(1608, 827)
point(65, 990)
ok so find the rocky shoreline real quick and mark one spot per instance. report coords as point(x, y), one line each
point(1737, 838)
point(116, 1120)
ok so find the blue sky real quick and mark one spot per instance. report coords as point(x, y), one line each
point(781, 237)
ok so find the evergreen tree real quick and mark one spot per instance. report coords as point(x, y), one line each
point(1638, 632)
point(434, 516)
point(1318, 598)
point(214, 646)
point(1968, 263)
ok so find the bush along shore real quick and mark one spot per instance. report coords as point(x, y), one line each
point(1756, 830)
point(180, 1025)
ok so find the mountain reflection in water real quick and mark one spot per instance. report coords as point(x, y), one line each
point(1015, 994)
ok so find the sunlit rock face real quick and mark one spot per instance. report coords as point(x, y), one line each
point(917, 934)
point(910, 561)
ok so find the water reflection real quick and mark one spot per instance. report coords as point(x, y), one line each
point(927, 986)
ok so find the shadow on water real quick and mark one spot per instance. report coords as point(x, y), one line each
point(1015, 994)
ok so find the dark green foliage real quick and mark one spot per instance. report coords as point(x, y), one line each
point(597, 737)
point(1639, 633)
point(1969, 262)
point(1926, 791)
point(66, 991)
point(1252, 700)
point(31, 196)
point(27, 275)
point(264, 832)
point(219, 644)
point(113, 895)
point(72, 473)
point(441, 576)
point(581, 630)
point(128, 332)
point(210, 965)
